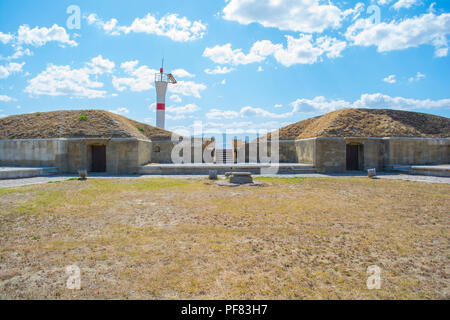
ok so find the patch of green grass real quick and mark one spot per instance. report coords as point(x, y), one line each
point(12, 136)
point(83, 117)
point(141, 128)
point(38, 114)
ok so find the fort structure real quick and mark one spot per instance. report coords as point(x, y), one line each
point(340, 141)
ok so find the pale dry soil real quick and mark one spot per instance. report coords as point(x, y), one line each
point(293, 238)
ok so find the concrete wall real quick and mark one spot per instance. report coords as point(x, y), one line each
point(33, 152)
point(161, 151)
point(329, 154)
point(416, 151)
point(305, 150)
point(70, 155)
point(288, 151)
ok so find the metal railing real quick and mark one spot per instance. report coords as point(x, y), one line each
point(165, 77)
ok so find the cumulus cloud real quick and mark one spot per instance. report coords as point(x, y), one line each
point(405, 4)
point(175, 98)
point(139, 78)
point(171, 26)
point(397, 35)
point(5, 37)
point(39, 36)
point(99, 65)
point(189, 108)
point(221, 114)
point(181, 73)
point(121, 111)
point(10, 68)
point(63, 80)
point(235, 127)
point(187, 88)
point(302, 50)
point(320, 105)
point(5, 98)
point(390, 79)
point(293, 15)
point(219, 70)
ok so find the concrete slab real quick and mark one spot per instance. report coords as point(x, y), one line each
point(442, 170)
point(204, 168)
point(26, 172)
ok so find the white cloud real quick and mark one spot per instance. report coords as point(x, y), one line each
point(260, 69)
point(302, 50)
point(405, 4)
point(63, 80)
point(5, 98)
point(189, 108)
point(236, 127)
point(419, 76)
point(5, 37)
point(221, 114)
point(293, 15)
point(318, 104)
point(384, 2)
point(226, 55)
point(378, 100)
point(278, 105)
point(223, 82)
point(397, 35)
point(187, 88)
point(98, 65)
point(10, 68)
point(390, 79)
point(19, 52)
point(39, 36)
point(181, 73)
point(172, 26)
point(219, 70)
point(121, 111)
point(141, 78)
point(175, 98)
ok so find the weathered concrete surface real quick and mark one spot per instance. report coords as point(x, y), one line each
point(24, 172)
point(305, 150)
point(204, 168)
point(437, 170)
point(416, 151)
point(241, 177)
point(329, 154)
point(33, 152)
point(123, 155)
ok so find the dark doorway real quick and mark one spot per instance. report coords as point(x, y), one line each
point(354, 157)
point(98, 158)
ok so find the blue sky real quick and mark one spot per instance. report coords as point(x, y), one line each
point(242, 65)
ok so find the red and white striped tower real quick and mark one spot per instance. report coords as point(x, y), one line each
point(161, 81)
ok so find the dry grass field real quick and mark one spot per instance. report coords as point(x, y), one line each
point(293, 238)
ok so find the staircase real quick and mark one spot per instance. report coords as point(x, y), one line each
point(224, 156)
